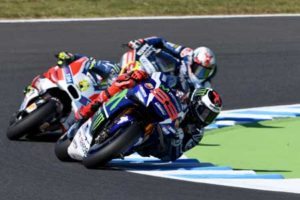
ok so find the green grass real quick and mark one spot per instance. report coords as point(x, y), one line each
point(106, 8)
point(267, 147)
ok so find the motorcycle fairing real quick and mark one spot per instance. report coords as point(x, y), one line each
point(81, 142)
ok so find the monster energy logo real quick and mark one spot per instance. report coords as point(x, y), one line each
point(164, 88)
point(115, 100)
point(100, 118)
point(201, 92)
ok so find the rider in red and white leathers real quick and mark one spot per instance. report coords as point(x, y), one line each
point(188, 71)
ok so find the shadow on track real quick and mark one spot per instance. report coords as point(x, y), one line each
point(265, 170)
point(46, 138)
point(258, 125)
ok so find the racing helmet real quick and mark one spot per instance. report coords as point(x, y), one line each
point(205, 106)
point(203, 65)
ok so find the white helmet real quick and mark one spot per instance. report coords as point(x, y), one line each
point(204, 64)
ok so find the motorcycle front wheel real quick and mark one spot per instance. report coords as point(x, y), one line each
point(114, 146)
point(30, 123)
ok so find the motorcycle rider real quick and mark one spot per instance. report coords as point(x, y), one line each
point(200, 62)
point(107, 71)
point(191, 69)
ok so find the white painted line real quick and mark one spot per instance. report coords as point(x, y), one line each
point(272, 108)
point(146, 18)
point(193, 172)
point(226, 123)
point(278, 185)
point(244, 115)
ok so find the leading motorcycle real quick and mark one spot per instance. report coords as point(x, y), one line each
point(123, 124)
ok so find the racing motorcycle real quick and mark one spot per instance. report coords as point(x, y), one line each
point(123, 124)
point(51, 97)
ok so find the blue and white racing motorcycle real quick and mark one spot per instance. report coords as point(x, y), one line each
point(123, 123)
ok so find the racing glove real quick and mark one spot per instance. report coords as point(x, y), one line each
point(64, 57)
point(138, 75)
point(135, 44)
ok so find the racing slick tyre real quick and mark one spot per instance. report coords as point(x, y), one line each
point(30, 123)
point(61, 148)
point(113, 147)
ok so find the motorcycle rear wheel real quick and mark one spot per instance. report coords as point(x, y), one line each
point(117, 146)
point(30, 123)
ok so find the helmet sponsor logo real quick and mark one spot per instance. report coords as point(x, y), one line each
point(201, 92)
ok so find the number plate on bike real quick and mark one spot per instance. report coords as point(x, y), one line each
point(31, 108)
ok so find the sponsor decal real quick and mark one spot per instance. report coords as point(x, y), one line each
point(149, 86)
point(145, 50)
point(123, 119)
point(202, 92)
point(100, 118)
point(164, 88)
point(164, 99)
point(31, 108)
point(83, 85)
point(68, 75)
point(115, 100)
point(84, 100)
point(147, 65)
point(84, 143)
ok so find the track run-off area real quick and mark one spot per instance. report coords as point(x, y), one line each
point(258, 59)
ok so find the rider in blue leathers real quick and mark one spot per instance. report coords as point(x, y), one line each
point(189, 71)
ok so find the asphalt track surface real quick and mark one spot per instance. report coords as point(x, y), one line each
point(258, 66)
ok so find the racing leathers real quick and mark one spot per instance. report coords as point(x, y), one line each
point(175, 53)
point(173, 61)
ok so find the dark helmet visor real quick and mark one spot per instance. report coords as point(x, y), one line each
point(201, 72)
point(206, 115)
